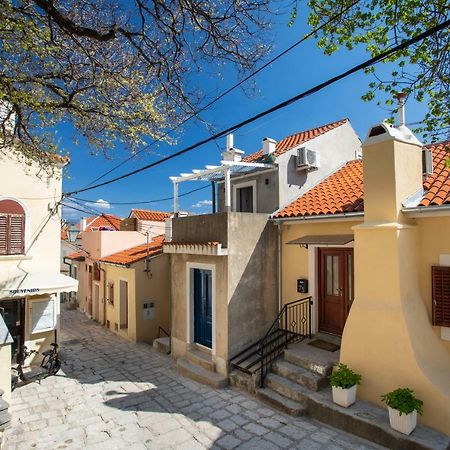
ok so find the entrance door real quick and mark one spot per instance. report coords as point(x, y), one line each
point(96, 301)
point(13, 312)
point(203, 307)
point(335, 288)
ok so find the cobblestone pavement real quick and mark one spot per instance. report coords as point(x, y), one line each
point(112, 394)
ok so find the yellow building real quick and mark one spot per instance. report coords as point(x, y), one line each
point(371, 243)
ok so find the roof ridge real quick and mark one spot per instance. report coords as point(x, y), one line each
point(346, 119)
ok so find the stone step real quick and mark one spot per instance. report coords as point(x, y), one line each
point(287, 388)
point(200, 374)
point(272, 398)
point(371, 422)
point(162, 345)
point(4, 405)
point(201, 358)
point(310, 358)
point(299, 375)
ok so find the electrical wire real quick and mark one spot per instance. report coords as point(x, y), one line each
point(370, 62)
point(230, 89)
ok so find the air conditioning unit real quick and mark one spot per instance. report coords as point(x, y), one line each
point(307, 159)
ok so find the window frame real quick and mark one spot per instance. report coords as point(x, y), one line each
point(244, 184)
point(24, 224)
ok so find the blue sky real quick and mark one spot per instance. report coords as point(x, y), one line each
point(297, 71)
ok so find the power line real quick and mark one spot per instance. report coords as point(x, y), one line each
point(230, 89)
point(145, 201)
point(371, 61)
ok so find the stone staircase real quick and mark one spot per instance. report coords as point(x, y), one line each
point(162, 345)
point(301, 370)
point(198, 365)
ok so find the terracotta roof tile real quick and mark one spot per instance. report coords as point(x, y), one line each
point(146, 214)
point(105, 220)
point(75, 255)
point(295, 140)
point(134, 254)
point(343, 191)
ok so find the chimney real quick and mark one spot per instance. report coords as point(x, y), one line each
point(230, 141)
point(232, 154)
point(83, 224)
point(269, 146)
point(401, 97)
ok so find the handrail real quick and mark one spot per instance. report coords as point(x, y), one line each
point(299, 327)
point(163, 330)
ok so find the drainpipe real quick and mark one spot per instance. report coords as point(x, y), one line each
point(279, 265)
point(104, 295)
point(213, 187)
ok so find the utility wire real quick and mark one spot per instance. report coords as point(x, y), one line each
point(370, 62)
point(145, 201)
point(230, 89)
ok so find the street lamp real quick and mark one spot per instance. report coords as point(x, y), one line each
point(72, 233)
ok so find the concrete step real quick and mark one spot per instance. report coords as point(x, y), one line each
point(201, 358)
point(287, 388)
point(311, 358)
point(274, 399)
point(162, 345)
point(200, 374)
point(371, 422)
point(299, 375)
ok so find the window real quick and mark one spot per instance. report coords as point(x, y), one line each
point(43, 315)
point(12, 228)
point(440, 280)
point(111, 293)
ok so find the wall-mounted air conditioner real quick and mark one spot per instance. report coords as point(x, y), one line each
point(307, 159)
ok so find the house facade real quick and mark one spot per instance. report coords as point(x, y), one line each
point(224, 265)
point(30, 276)
point(369, 243)
point(149, 221)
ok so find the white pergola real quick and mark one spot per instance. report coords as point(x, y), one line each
point(225, 171)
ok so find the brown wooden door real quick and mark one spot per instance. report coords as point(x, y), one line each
point(335, 288)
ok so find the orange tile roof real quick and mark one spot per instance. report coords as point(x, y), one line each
point(295, 140)
point(134, 254)
point(105, 220)
point(146, 214)
point(343, 191)
point(208, 243)
point(75, 255)
point(437, 185)
point(64, 235)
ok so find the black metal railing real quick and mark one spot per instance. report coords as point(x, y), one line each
point(161, 333)
point(293, 323)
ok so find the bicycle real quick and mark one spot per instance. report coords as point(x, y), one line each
point(50, 365)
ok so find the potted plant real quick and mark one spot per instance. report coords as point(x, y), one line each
point(403, 408)
point(343, 384)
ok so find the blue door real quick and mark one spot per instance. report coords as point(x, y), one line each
point(203, 307)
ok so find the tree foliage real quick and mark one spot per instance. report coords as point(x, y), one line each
point(117, 70)
point(422, 71)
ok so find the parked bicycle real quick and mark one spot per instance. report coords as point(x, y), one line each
point(50, 365)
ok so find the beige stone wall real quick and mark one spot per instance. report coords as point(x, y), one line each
point(5, 371)
point(434, 240)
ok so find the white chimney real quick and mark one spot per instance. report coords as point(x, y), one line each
point(230, 141)
point(82, 224)
point(401, 108)
point(269, 146)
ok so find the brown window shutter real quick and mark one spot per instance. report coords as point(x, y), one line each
point(16, 234)
point(440, 277)
point(3, 234)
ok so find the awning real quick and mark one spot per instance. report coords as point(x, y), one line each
point(323, 239)
point(19, 283)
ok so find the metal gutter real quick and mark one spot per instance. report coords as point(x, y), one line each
point(329, 217)
point(427, 211)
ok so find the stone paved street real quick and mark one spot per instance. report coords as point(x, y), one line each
point(111, 394)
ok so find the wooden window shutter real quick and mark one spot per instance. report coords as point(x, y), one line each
point(16, 234)
point(440, 276)
point(4, 234)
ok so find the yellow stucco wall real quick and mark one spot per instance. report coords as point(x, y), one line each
point(434, 238)
point(154, 287)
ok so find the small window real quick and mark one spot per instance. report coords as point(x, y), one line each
point(43, 315)
point(12, 228)
point(440, 276)
point(111, 293)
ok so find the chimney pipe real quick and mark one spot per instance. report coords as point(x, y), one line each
point(269, 146)
point(230, 140)
point(401, 108)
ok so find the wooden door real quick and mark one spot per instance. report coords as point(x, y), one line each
point(335, 288)
point(203, 307)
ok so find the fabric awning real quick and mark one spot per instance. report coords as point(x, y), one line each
point(19, 283)
point(323, 239)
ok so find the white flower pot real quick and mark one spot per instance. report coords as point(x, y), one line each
point(344, 397)
point(404, 423)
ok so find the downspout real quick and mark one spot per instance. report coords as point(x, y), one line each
point(279, 265)
point(104, 295)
